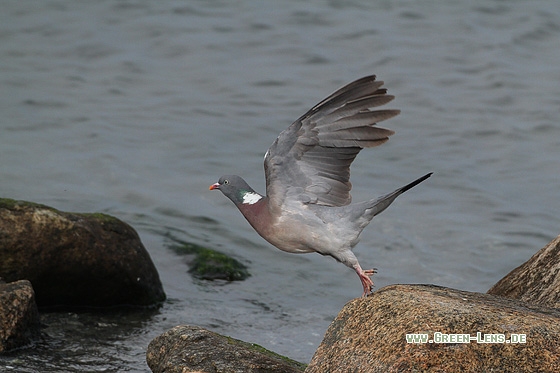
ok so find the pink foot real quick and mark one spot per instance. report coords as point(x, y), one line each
point(364, 276)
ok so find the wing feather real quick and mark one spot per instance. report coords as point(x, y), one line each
point(310, 161)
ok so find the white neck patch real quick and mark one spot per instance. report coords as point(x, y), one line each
point(251, 198)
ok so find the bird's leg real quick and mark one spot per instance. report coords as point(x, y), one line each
point(364, 276)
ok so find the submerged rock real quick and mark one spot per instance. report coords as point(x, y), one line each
point(75, 259)
point(536, 281)
point(370, 334)
point(208, 264)
point(188, 348)
point(19, 318)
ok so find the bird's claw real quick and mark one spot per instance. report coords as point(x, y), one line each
point(367, 283)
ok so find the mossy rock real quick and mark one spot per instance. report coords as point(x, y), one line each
point(189, 348)
point(210, 264)
point(260, 349)
point(76, 259)
point(11, 204)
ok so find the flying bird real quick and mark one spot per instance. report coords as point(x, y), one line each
point(307, 207)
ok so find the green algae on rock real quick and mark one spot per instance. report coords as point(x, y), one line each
point(209, 264)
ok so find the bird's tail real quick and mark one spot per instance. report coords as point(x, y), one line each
point(413, 184)
point(381, 203)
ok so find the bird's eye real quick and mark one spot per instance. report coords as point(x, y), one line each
point(226, 182)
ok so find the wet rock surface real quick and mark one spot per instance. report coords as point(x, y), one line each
point(75, 259)
point(188, 348)
point(19, 318)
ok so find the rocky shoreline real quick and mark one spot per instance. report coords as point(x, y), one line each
point(399, 328)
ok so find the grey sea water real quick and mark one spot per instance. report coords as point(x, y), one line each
point(134, 108)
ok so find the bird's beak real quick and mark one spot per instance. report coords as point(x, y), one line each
point(214, 186)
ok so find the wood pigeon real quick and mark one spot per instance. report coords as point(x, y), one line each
point(307, 207)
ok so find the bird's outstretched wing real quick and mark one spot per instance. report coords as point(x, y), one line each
point(310, 160)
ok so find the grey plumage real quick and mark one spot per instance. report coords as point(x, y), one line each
point(308, 207)
point(311, 159)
